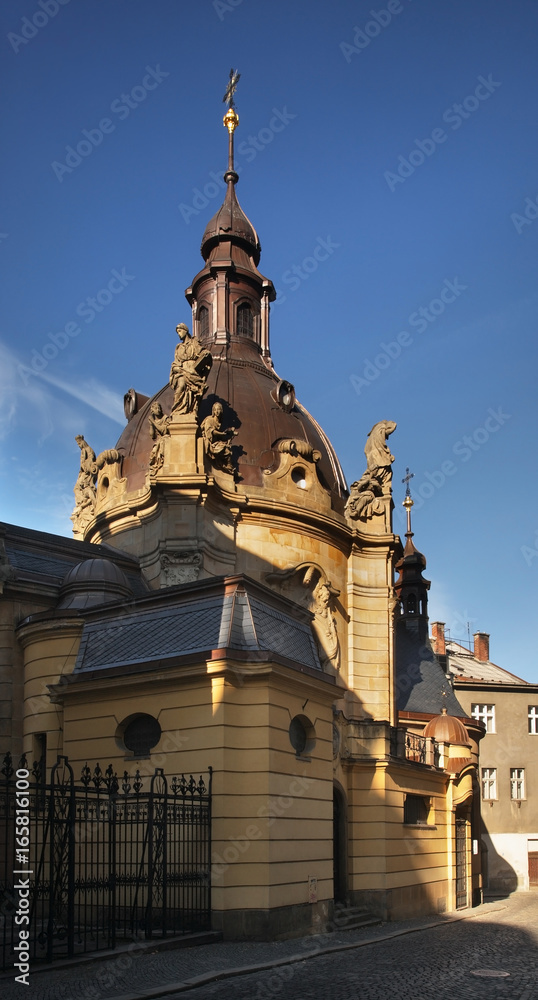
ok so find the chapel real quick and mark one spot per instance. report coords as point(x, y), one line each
point(228, 602)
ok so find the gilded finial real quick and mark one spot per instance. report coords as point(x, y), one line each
point(231, 121)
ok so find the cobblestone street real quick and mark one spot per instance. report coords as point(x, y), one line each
point(435, 964)
point(431, 958)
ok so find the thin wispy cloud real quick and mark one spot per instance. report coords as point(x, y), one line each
point(35, 399)
point(94, 394)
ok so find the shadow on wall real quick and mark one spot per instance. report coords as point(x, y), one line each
point(499, 878)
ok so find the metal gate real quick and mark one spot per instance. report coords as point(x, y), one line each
point(93, 862)
point(461, 863)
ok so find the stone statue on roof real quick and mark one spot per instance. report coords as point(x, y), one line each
point(158, 429)
point(217, 440)
point(365, 498)
point(188, 374)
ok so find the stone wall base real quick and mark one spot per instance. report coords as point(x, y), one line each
point(402, 904)
point(275, 924)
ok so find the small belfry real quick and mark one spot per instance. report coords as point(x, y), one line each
point(411, 588)
point(230, 298)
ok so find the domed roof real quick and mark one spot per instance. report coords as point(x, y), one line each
point(447, 729)
point(230, 221)
point(93, 581)
point(248, 391)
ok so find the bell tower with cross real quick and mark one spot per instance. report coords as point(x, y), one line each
point(411, 588)
point(230, 298)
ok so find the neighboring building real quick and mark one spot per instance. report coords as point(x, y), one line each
point(507, 706)
point(231, 603)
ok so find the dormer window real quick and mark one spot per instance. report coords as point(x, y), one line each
point(245, 320)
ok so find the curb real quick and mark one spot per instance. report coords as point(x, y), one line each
point(245, 970)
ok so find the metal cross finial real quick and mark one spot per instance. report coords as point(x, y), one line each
point(407, 479)
point(230, 89)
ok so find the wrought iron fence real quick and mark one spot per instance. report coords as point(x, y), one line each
point(104, 859)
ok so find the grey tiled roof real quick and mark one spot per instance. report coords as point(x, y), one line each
point(420, 678)
point(233, 621)
point(38, 562)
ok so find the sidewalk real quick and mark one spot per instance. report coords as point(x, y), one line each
point(143, 971)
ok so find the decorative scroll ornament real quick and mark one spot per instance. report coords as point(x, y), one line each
point(366, 494)
point(296, 446)
point(188, 374)
point(158, 429)
point(217, 440)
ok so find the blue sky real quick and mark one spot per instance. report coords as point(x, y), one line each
point(400, 137)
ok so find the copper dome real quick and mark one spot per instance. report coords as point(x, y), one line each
point(231, 222)
point(248, 391)
point(447, 729)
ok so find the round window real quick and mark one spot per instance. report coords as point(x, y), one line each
point(302, 735)
point(298, 476)
point(141, 734)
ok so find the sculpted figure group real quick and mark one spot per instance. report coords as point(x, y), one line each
point(84, 489)
point(365, 498)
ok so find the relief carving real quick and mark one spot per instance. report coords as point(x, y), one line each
point(180, 567)
point(188, 374)
point(217, 441)
point(366, 493)
point(321, 601)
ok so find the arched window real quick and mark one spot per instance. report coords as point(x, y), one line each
point(203, 320)
point(245, 322)
point(411, 605)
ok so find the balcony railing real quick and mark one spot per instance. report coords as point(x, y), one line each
point(412, 747)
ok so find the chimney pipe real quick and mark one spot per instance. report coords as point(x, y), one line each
point(438, 638)
point(481, 646)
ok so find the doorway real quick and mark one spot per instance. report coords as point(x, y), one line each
point(339, 846)
point(461, 859)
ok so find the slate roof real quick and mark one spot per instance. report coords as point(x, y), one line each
point(420, 678)
point(206, 622)
point(51, 557)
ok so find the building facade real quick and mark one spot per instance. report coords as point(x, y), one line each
point(507, 707)
point(229, 602)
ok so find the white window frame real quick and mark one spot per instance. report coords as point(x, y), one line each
point(517, 784)
point(489, 783)
point(486, 714)
point(533, 720)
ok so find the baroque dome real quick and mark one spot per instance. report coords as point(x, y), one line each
point(255, 402)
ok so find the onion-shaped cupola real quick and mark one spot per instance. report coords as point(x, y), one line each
point(229, 297)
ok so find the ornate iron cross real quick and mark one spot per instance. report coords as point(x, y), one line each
point(230, 89)
point(407, 479)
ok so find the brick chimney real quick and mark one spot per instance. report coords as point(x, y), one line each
point(481, 646)
point(438, 638)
